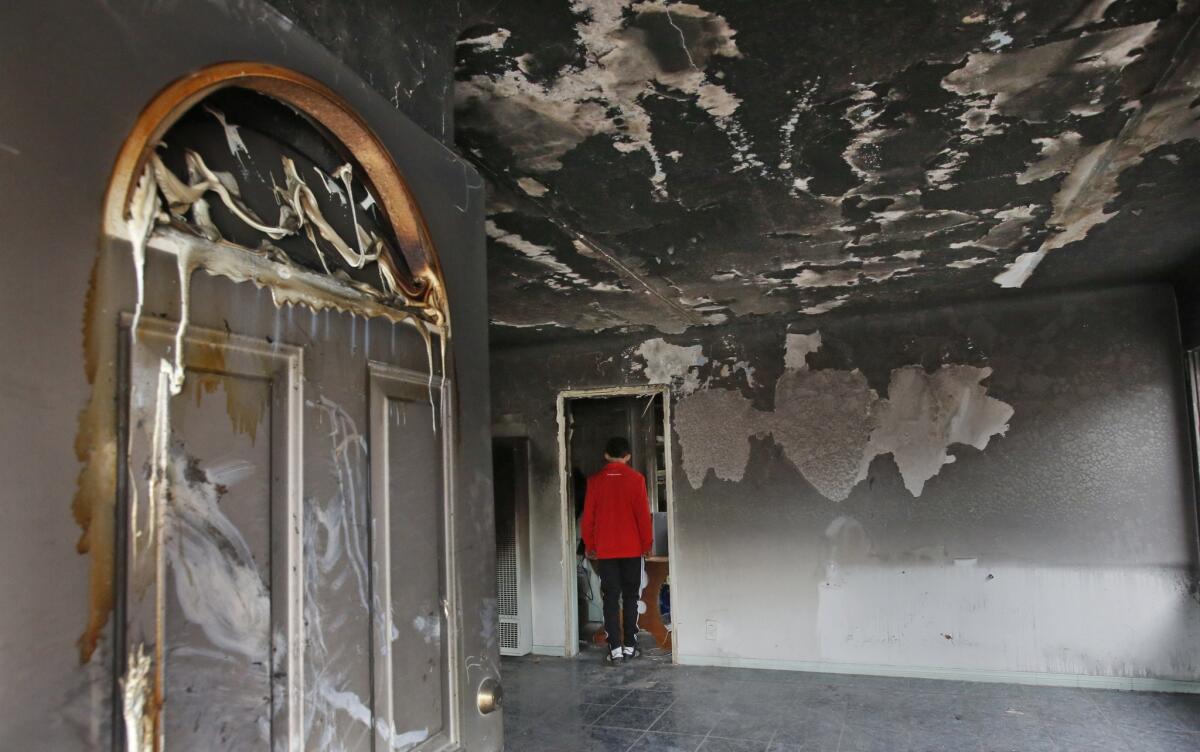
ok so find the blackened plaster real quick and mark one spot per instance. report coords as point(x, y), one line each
point(689, 163)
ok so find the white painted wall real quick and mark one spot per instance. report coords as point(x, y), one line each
point(1062, 552)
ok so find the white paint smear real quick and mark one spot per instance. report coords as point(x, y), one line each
point(217, 582)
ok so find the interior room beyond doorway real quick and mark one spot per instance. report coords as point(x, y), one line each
point(589, 421)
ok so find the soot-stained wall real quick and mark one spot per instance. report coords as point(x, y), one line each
point(985, 488)
point(405, 51)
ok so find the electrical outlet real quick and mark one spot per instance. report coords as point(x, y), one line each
point(710, 629)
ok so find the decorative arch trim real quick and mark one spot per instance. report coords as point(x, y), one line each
point(324, 106)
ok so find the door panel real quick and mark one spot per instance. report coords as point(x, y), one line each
point(266, 531)
point(409, 430)
point(213, 498)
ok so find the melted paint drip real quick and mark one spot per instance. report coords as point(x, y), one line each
point(237, 147)
point(185, 266)
point(143, 208)
point(135, 702)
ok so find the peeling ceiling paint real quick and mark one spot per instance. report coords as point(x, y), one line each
point(716, 159)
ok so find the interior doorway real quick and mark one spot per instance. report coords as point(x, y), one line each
point(587, 420)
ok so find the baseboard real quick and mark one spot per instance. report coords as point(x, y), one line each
point(954, 674)
point(552, 650)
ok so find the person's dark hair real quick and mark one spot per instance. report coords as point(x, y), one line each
point(617, 447)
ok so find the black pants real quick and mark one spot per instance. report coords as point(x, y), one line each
point(620, 581)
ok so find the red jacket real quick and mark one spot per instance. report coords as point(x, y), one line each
point(616, 513)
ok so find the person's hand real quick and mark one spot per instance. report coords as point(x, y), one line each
point(646, 554)
point(591, 555)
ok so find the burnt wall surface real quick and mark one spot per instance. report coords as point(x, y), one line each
point(403, 50)
point(77, 77)
point(801, 155)
point(983, 488)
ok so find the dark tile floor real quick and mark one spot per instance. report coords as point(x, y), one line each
point(556, 705)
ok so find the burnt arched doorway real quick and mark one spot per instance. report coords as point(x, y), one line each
point(268, 430)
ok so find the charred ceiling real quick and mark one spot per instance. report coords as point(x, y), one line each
point(661, 165)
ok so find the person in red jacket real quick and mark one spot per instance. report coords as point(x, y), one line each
point(617, 533)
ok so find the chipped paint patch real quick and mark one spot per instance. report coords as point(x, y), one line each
point(826, 307)
point(540, 254)
point(603, 95)
point(532, 187)
point(1012, 228)
point(1058, 155)
point(563, 277)
point(967, 263)
point(1084, 72)
point(797, 348)
point(998, 40)
point(487, 42)
point(672, 364)
point(823, 421)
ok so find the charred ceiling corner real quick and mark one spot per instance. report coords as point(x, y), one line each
point(661, 165)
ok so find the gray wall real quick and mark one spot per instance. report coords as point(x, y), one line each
point(403, 50)
point(1066, 546)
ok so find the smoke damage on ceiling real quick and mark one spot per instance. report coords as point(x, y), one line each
point(660, 165)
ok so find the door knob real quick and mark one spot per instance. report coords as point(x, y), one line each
point(491, 695)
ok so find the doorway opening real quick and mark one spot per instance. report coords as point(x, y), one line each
point(587, 420)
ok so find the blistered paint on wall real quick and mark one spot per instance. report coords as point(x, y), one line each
point(831, 424)
point(696, 416)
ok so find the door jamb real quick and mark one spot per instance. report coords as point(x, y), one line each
point(567, 515)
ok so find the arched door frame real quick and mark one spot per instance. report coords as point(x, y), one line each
point(324, 106)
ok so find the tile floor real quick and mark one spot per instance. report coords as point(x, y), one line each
point(557, 705)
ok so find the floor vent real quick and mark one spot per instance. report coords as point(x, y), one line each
point(510, 467)
point(507, 584)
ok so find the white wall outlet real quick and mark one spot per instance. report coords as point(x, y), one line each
point(710, 629)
